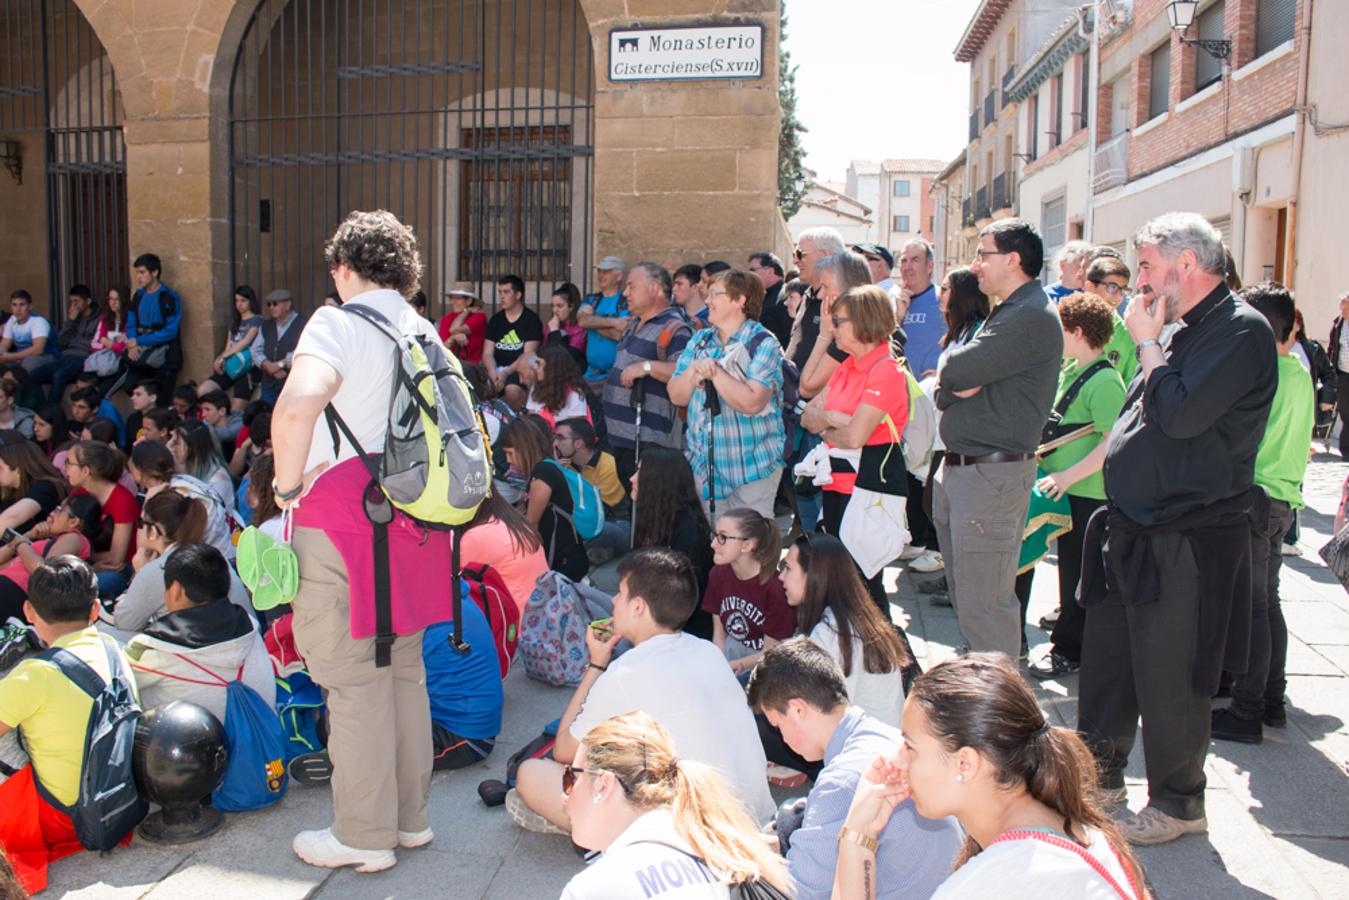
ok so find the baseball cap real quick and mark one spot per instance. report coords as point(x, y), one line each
point(876, 250)
point(612, 262)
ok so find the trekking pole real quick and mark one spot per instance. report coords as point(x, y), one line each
point(712, 403)
point(638, 401)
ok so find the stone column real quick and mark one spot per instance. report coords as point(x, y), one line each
point(685, 171)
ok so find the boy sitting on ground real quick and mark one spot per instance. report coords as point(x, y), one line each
point(53, 714)
point(681, 681)
point(204, 641)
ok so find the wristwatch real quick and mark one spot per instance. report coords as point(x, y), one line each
point(847, 834)
point(646, 367)
point(1148, 342)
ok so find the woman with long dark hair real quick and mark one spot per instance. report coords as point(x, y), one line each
point(111, 333)
point(562, 328)
point(30, 486)
point(239, 373)
point(69, 529)
point(670, 514)
point(557, 390)
point(548, 501)
point(95, 468)
point(963, 306)
point(154, 469)
point(978, 747)
point(51, 430)
point(500, 536)
point(194, 450)
point(834, 609)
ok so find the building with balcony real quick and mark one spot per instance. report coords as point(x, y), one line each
point(1180, 128)
point(999, 37)
point(1053, 92)
point(953, 222)
point(898, 191)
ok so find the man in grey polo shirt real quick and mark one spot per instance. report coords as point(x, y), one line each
point(995, 393)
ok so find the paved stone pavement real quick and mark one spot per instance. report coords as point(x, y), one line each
point(1278, 813)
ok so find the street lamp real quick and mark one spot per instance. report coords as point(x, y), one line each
point(1181, 14)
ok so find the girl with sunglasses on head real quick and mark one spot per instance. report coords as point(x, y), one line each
point(744, 597)
point(168, 520)
point(68, 530)
point(95, 469)
point(630, 796)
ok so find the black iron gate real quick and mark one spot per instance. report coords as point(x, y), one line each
point(56, 81)
point(469, 119)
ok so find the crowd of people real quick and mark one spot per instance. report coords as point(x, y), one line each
point(742, 453)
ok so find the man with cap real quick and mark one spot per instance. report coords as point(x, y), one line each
point(274, 348)
point(604, 314)
point(880, 260)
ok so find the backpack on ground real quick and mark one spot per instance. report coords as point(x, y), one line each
point(587, 505)
point(487, 589)
point(553, 631)
point(255, 776)
point(436, 466)
point(299, 706)
point(109, 805)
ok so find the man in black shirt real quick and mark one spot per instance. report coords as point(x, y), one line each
point(513, 333)
point(1173, 607)
point(775, 317)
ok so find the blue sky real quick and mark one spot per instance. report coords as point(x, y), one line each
point(876, 79)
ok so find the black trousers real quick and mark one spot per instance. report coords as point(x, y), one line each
point(1265, 679)
point(1067, 633)
point(921, 530)
point(1138, 661)
point(1341, 387)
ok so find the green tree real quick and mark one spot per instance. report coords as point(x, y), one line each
point(792, 181)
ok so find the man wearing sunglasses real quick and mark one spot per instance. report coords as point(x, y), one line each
point(274, 348)
point(706, 715)
point(995, 393)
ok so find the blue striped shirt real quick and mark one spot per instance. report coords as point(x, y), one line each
point(642, 342)
point(747, 448)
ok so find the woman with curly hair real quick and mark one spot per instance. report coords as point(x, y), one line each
point(629, 795)
point(557, 390)
point(978, 747)
point(670, 514)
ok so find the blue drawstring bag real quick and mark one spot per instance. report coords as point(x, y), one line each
point(299, 704)
point(255, 776)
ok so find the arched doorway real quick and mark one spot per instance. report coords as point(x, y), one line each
point(469, 119)
point(61, 123)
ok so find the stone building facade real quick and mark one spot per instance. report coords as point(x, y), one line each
point(232, 135)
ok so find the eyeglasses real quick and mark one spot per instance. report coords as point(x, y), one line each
point(839, 320)
point(721, 538)
point(981, 253)
point(570, 774)
point(1110, 288)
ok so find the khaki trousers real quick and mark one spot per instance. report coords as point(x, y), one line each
point(380, 719)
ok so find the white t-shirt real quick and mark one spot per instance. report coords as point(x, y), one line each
point(880, 695)
point(634, 867)
point(1032, 870)
point(364, 358)
point(24, 335)
point(575, 406)
point(683, 682)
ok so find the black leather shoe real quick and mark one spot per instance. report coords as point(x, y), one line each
point(1276, 715)
point(1230, 727)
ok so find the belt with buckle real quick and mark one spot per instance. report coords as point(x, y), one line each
point(956, 459)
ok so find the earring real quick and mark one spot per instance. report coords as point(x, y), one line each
point(595, 798)
point(960, 776)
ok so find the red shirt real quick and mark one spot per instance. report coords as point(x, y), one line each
point(876, 380)
point(124, 509)
point(749, 610)
point(476, 323)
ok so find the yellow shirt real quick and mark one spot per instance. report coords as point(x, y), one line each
point(603, 474)
point(54, 713)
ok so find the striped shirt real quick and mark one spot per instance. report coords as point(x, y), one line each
point(747, 448)
point(642, 343)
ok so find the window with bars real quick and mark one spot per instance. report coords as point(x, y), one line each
point(515, 194)
point(1159, 91)
point(1273, 24)
point(1208, 27)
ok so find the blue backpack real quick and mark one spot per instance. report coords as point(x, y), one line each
point(109, 803)
point(255, 776)
point(587, 505)
point(299, 705)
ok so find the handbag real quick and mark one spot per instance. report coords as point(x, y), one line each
point(102, 362)
point(1336, 555)
point(238, 364)
point(1056, 428)
point(882, 468)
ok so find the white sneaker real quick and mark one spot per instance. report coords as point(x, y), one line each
point(1152, 826)
point(911, 551)
point(322, 849)
point(526, 818)
point(1291, 550)
point(927, 562)
point(414, 839)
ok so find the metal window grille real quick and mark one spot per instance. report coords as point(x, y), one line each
point(56, 81)
point(470, 120)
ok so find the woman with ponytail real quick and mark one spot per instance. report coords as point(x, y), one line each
point(978, 747)
point(170, 519)
point(651, 813)
point(744, 597)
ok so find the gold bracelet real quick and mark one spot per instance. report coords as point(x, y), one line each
point(847, 834)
